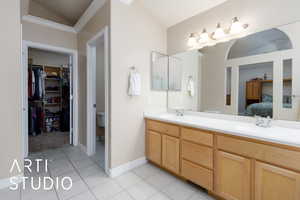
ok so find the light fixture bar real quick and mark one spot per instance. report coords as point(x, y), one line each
point(220, 35)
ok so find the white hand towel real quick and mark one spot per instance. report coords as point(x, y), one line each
point(134, 88)
point(191, 87)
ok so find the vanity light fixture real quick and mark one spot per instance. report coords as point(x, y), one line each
point(219, 33)
point(204, 37)
point(237, 27)
point(193, 40)
point(197, 40)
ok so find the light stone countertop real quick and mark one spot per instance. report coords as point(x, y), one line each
point(275, 134)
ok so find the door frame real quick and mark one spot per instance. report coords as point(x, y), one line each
point(24, 88)
point(91, 95)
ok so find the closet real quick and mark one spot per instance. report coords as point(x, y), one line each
point(48, 100)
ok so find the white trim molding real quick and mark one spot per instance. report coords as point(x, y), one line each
point(118, 171)
point(24, 111)
point(88, 14)
point(5, 183)
point(49, 23)
point(91, 95)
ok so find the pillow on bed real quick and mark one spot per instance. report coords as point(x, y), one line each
point(267, 98)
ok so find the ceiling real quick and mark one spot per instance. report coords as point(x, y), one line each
point(171, 12)
point(67, 11)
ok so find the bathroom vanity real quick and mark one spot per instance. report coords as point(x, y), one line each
point(231, 159)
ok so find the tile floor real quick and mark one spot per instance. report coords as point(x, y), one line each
point(99, 157)
point(146, 182)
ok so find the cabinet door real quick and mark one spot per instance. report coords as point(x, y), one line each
point(256, 90)
point(276, 183)
point(170, 158)
point(154, 143)
point(233, 176)
point(249, 90)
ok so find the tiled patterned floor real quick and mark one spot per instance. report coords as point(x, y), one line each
point(91, 183)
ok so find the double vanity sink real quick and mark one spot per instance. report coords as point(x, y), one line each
point(232, 126)
point(232, 159)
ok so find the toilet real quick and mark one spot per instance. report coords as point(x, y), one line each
point(101, 119)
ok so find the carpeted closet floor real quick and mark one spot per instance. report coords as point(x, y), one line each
point(47, 141)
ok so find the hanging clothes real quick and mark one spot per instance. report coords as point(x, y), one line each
point(29, 83)
point(38, 83)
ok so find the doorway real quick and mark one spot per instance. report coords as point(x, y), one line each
point(98, 99)
point(49, 97)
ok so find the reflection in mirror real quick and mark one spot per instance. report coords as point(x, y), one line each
point(228, 85)
point(256, 89)
point(241, 71)
point(159, 71)
point(175, 73)
point(187, 97)
point(287, 84)
point(268, 41)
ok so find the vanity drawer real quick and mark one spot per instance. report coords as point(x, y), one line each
point(197, 136)
point(197, 174)
point(267, 153)
point(165, 128)
point(197, 154)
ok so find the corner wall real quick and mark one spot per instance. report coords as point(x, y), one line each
point(10, 82)
point(99, 21)
point(135, 33)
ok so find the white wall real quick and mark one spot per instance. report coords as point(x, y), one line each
point(100, 78)
point(134, 34)
point(41, 57)
point(10, 86)
point(213, 83)
point(96, 24)
point(47, 35)
point(190, 63)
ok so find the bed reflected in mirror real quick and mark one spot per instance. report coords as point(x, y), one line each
point(256, 90)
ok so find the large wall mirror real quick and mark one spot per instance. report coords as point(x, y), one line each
point(252, 76)
point(166, 72)
point(159, 71)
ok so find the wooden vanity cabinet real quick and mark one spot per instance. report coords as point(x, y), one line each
point(163, 145)
point(154, 144)
point(231, 167)
point(170, 153)
point(276, 183)
point(233, 176)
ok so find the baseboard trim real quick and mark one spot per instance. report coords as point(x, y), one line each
point(5, 183)
point(117, 171)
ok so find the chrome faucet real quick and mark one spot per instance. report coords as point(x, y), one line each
point(263, 122)
point(179, 112)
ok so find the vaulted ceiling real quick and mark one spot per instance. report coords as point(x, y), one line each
point(168, 12)
point(66, 12)
point(171, 12)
